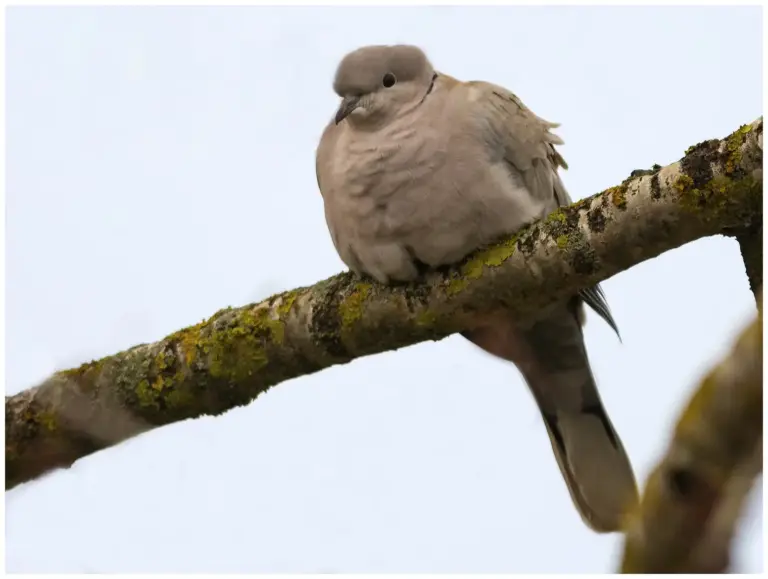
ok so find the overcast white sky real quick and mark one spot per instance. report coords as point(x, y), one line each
point(161, 166)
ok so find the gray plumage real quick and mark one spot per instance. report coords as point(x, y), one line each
point(417, 168)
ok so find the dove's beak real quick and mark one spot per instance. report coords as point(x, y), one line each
point(348, 104)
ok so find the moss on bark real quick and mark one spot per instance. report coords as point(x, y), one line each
point(238, 353)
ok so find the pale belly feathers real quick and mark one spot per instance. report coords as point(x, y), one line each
point(388, 206)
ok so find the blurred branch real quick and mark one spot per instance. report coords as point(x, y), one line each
point(693, 499)
point(238, 353)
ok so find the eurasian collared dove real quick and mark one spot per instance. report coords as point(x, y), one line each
point(418, 169)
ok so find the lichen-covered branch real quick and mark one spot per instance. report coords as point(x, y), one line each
point(238, 353)
point(751, 244)
point(693, 499)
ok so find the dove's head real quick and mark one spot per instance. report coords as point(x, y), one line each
point(377, 83)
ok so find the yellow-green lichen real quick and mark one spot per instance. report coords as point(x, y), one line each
point(351, 307)
point(147, 396)
point(233, 347)
point(160, 361)
point(276, 327)
point(425, 318)
point(456, 285)
point(719, 184)
point(236, 350)
point(93, 365)
point(682, 183)
point(286, 303)
point(85, 375)
point(43, 418)
point(189, 340)
point(557, 215)
point(618, 196)
point(733, 145)
point(160, 383)
point(492, 256)
point(716, 197)
point(562, 241)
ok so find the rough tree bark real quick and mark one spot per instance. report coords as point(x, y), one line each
point(693, 499)
point(238, 353)
point(751, 245)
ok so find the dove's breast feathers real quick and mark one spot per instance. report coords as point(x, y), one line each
point(430, 186)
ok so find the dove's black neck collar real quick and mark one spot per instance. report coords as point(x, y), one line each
point(429, 90)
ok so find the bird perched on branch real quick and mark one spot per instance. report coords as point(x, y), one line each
point(418, 169)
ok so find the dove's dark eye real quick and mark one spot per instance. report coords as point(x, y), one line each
point(389, 80)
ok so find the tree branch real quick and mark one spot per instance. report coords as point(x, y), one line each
point(238, 353)
point(751, 245)
point(693, 499)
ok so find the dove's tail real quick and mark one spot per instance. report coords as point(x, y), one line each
point(552, 357)
point(594, 464)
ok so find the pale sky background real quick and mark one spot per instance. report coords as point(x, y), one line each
point(161, 166)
